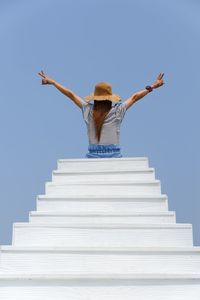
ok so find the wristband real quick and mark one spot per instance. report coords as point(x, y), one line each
point(149, 88)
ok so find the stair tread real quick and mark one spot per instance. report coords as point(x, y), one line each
point(85, 196)
point(113, 182)
point(102, 159)
point(102, 214)
point(114, 276)
point(12, 248)
point(119, 226)
point(138, 170)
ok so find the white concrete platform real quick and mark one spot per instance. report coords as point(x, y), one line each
point(126, 287)
point(105, 203)
point(99, 260)
point(102, 218)
point(105, 164)
point(98, 235)
point(130, 187)
point(60, 176)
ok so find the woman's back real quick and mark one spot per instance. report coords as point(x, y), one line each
point(110, 132)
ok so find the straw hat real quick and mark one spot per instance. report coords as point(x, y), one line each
point(103, 91)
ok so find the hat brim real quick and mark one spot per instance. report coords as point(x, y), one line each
point(113, 98)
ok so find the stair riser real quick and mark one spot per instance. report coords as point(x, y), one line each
point(63, 263)
point(102, 220)
point(103, 189)
point(66, 178)
point(76, 290)
point(109, 165)
point(110, 206)
point(101, 237)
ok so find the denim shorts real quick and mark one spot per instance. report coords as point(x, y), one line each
point(103, 150)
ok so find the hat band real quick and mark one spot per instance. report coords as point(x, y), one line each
point(113, 97)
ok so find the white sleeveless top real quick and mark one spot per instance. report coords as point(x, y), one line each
point(110, 132)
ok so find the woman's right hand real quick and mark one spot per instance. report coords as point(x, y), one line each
point(45, 78)
point(159, 81)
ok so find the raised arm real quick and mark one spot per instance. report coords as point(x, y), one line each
point(75, 98)
point(140, 94)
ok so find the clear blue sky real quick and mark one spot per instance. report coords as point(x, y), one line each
point(80, 43)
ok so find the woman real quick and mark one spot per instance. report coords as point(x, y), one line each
point(102, 119)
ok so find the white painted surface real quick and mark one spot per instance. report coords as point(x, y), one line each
point(60, 176)
point(98, 235)
point(105, 188)
point(102, 231)
point(105, 164)
point(102, 218)
point(170, 287)
point(23, 260)
point(109, 204)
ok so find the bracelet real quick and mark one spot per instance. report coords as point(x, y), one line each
point(149, 88)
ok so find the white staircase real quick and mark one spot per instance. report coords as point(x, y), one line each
point(102, 231)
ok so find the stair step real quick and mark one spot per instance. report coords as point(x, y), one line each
point(60, 176)
point(80, 261)
point(105, 164)
point(111, 204)
point(104, 278)
point(101, 277)
point(151, 187)
point(103, 287)
point(96, 235)
point(93, 217)
point(87, 249)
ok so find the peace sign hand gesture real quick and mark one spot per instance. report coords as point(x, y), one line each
point(159, 81)
point(46, 79)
